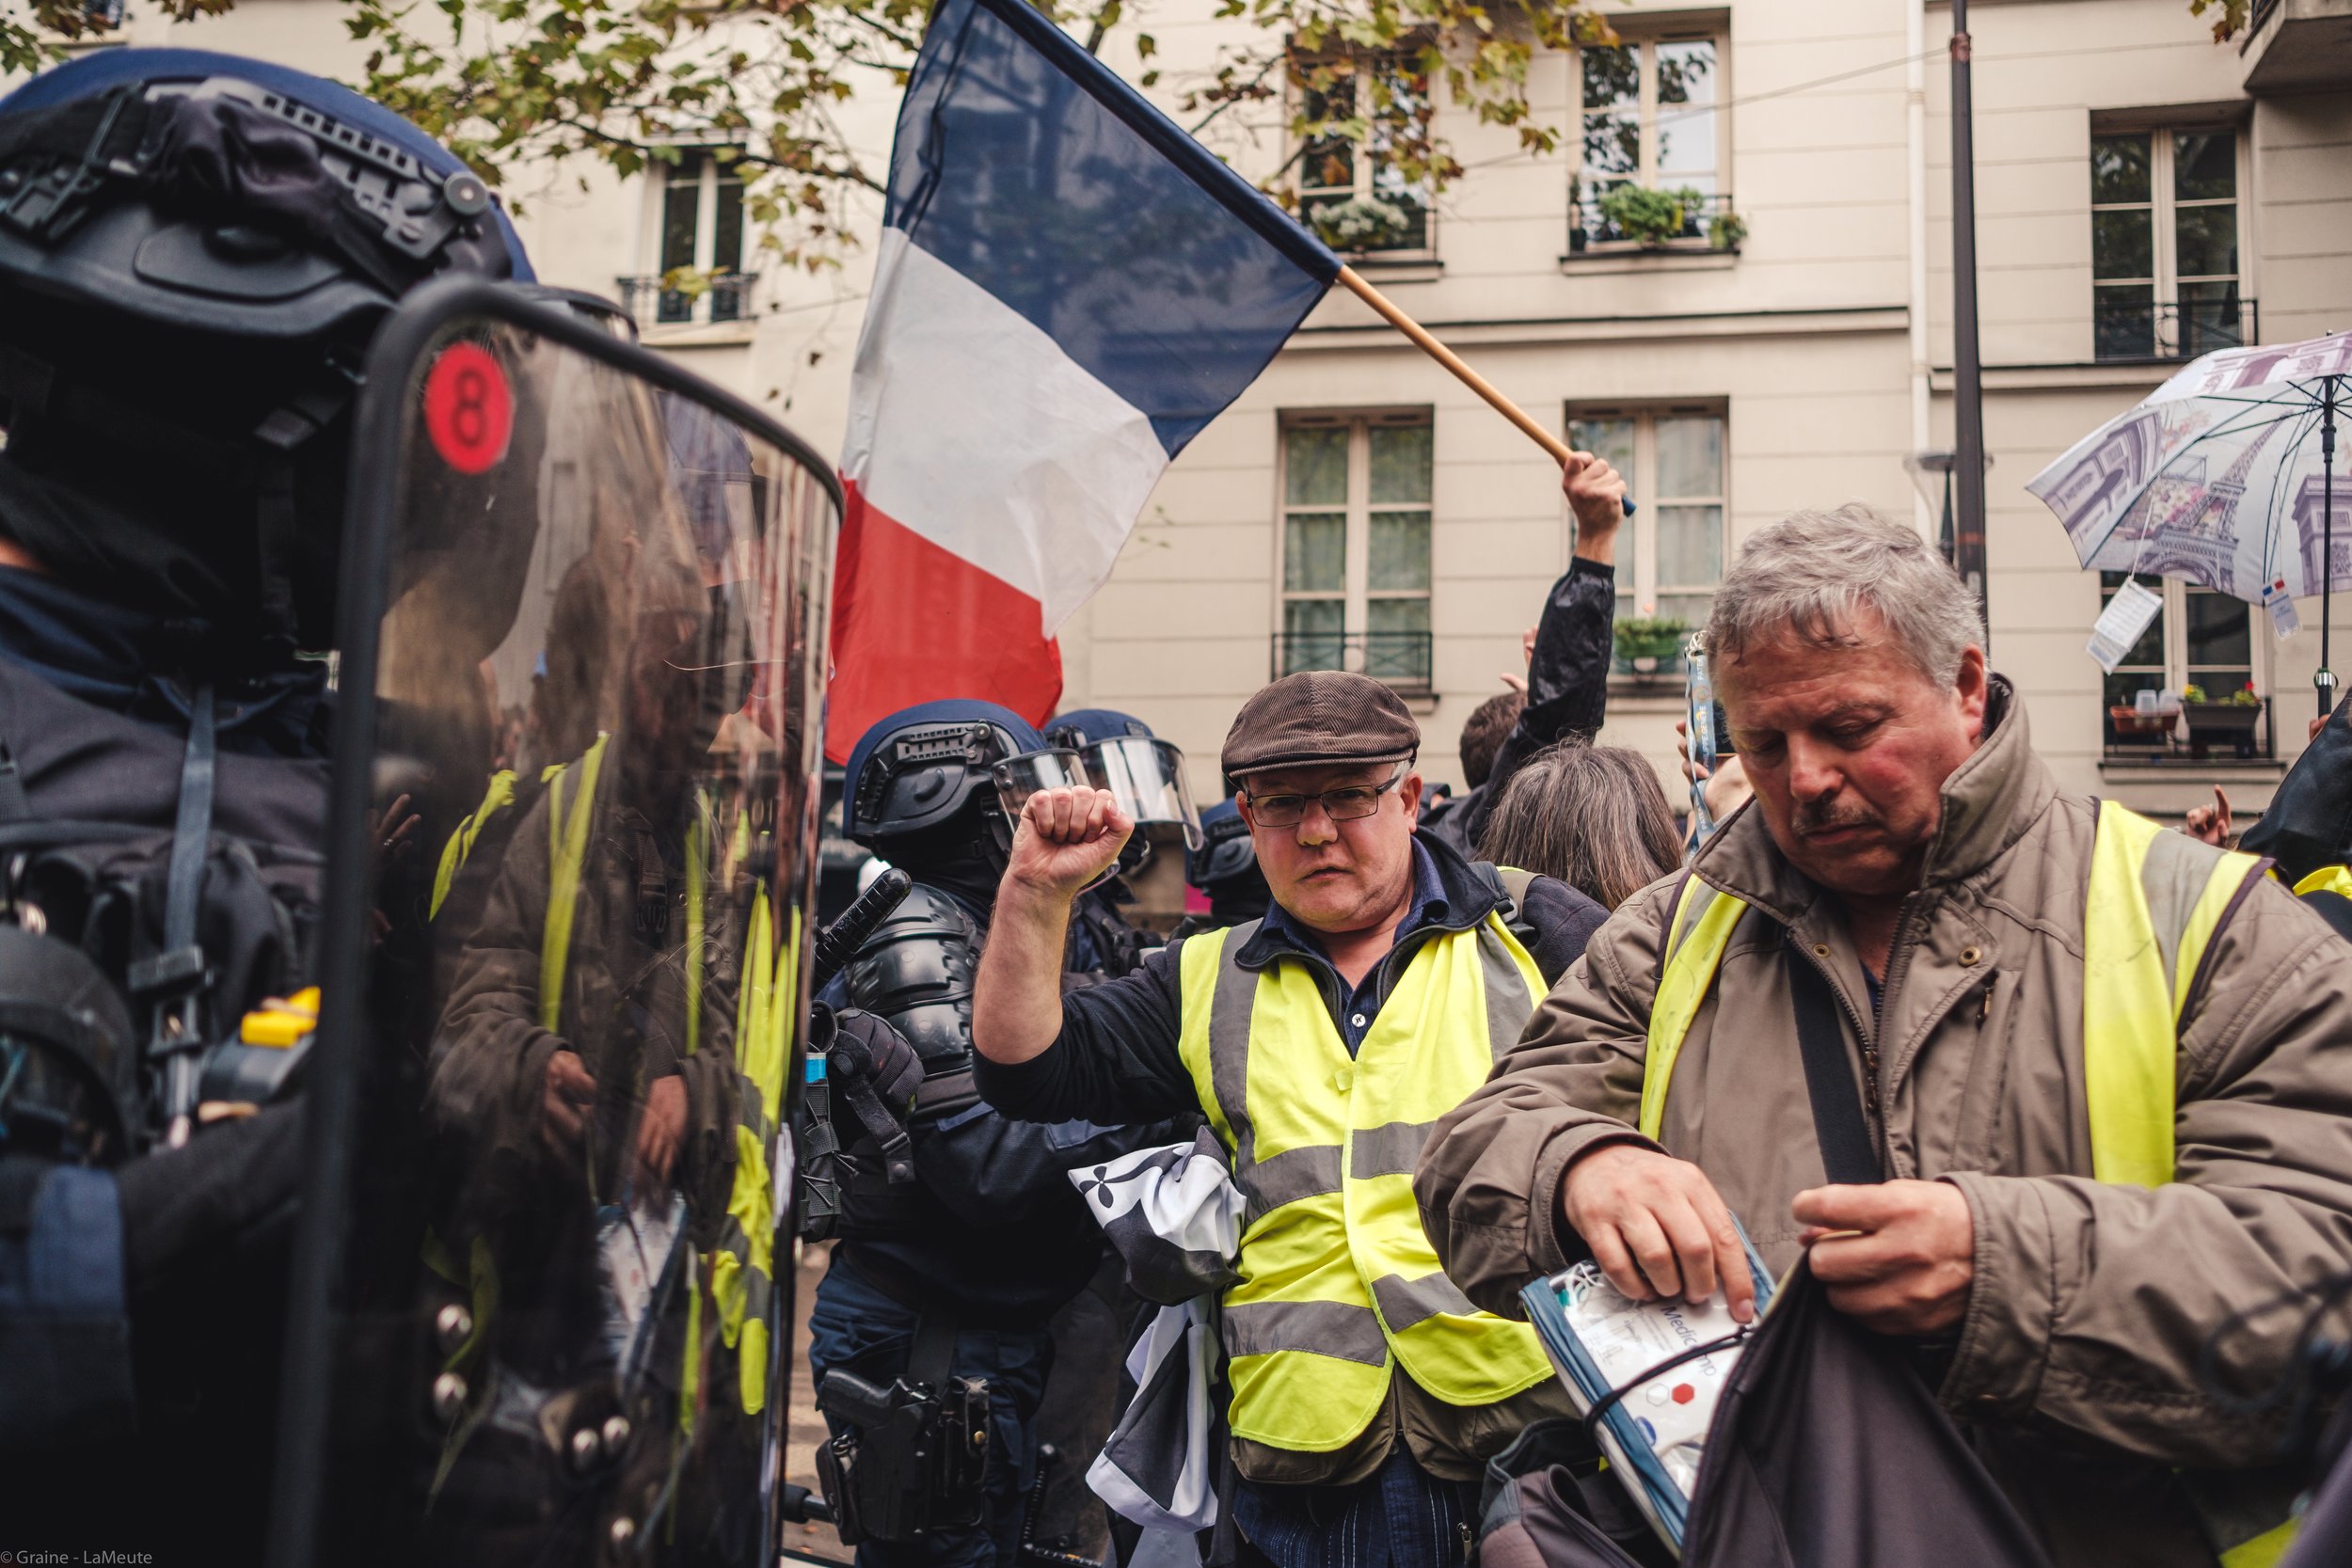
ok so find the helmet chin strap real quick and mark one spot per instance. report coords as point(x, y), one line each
point(282, 434)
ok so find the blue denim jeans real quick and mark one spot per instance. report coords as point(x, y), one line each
point(857, 1326)
point(1399, 1516)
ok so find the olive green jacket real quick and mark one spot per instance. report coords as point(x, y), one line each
point(2076, 1366)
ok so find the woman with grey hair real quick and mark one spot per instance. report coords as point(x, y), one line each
point(1592, 815)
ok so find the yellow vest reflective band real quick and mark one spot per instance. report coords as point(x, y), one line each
point(2156, 899)
point(1339, 1284)
point(499, 796)
point(742, 1269)
point(567, 848)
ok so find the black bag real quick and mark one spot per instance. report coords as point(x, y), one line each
point(1826, 1453)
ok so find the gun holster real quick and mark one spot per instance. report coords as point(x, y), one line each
point(913, 1456)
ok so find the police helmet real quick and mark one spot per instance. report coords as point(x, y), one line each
point(924, 767)
point(1225, 853)
point(195, 249)
point(1082, 727)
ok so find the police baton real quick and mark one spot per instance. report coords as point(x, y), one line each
point(839, 942)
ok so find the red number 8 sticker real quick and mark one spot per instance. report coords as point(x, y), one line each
point(468, 408)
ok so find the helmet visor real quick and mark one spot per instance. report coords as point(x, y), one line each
point(1018, 778)
point(1146, 777)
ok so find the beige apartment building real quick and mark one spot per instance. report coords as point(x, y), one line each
point(2143, 195)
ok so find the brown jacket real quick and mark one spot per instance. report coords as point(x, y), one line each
point(2076, 1364)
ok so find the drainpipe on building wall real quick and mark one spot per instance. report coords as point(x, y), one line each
point(1916, 135)
point(1967, 373)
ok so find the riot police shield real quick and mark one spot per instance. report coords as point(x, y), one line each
point(540, 1315)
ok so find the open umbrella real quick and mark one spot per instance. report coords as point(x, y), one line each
point(2224, 476)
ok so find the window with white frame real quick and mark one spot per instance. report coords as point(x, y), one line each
point(1355, 546)
point(2164, 244)
point(1649, 117)
point(2199, 639)
point(1351, 192)
point(1670, 556)
point(701, 230)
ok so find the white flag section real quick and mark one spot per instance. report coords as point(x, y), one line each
point(970, 426)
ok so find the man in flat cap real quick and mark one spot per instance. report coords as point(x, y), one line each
point(1323, 1042)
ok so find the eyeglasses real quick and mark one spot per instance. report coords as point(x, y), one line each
point(1340, 805)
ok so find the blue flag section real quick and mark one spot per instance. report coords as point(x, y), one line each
point(1029, 167)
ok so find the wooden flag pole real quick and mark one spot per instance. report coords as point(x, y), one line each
point(1452, 361)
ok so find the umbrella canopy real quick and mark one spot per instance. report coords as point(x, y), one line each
point(2220, 476)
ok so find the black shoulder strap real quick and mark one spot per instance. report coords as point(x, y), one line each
point(932, 1358)
point(1847, 1153)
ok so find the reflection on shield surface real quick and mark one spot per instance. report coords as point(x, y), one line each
point(552, 1334)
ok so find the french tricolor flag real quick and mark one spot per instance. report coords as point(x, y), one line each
point(1069, 288)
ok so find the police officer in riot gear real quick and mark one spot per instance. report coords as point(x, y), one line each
point(965, 1266)
point(194, 252)
point(1225, 871)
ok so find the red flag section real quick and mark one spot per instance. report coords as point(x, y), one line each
point(913, 621)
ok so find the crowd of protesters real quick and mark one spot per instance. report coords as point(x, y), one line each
point(2075, 1137)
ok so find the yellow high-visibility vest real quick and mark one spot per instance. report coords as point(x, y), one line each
point(2156, 899)
point(2328, 878)
point(1339, 1284)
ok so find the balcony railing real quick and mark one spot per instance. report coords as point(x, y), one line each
point(728, 298)
point(2203, 734)
point(2144, 330)
point(1589, 231)
point(1399, 658)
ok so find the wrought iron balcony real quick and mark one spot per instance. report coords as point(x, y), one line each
point(1591, 233)
point(1402, 659)
point(726, 298)
point(2140, 330)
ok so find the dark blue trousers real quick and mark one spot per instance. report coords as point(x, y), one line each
point(857, 1326)
point(1399, 1516)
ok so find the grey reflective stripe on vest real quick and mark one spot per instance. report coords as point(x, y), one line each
point(1286, 1177)
point(1318, 1327)
point(1295, 1173)
point(1390, 1150)
point(1508, 1003)
point(1406, 1302)
point(1279, 1179)
point(2173, 877)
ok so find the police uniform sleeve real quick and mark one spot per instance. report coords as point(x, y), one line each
point(1115, 1061)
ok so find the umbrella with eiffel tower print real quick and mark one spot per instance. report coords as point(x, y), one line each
point(2224, 477)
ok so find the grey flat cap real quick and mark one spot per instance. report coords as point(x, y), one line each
point(1318, 718)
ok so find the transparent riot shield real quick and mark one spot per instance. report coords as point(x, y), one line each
point(541, 1318)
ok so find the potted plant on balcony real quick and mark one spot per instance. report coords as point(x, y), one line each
point(1651, 218)
point(1650, 645)
point(1361, 223)
point(1724, 230)
point(2228, 723)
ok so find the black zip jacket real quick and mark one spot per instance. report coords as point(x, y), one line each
point(1116, 1058)
point(1567, 692)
